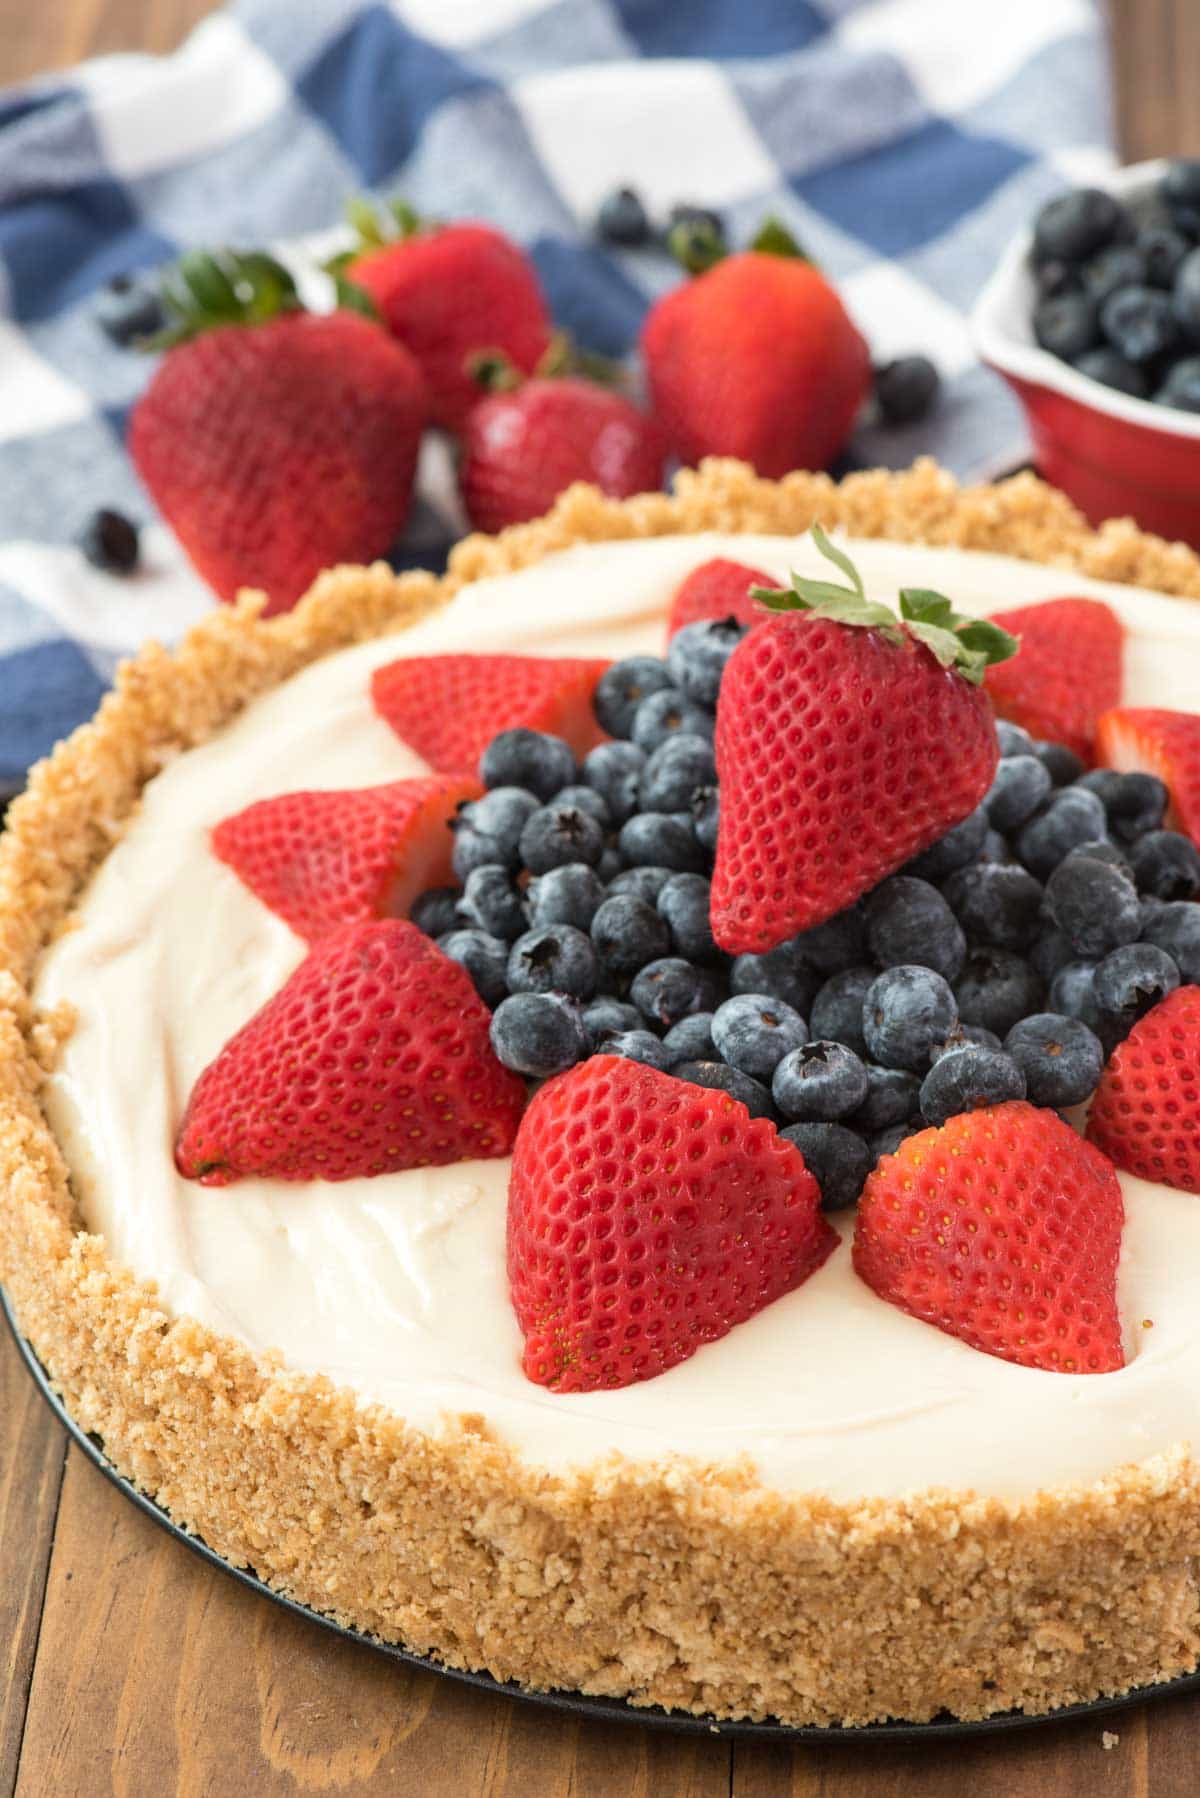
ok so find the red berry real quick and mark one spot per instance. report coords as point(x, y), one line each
point(1145, 740)
point(448, 708)
point(1146, 1112)
point(372, 1058)
point(647, 1217)
point(1065, 673)
point(717, 589)
point(1002, 1228)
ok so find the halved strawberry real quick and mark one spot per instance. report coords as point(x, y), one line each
point(1148, 740)
point(717, 589)
point(1066, 672)
point(1146, 1112)
point(647, 1217)
point(372, 1058)
point(325, 859)
point(1003, 1228)
point(448, 708)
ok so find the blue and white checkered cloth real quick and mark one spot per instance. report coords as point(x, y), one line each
point(901, 140)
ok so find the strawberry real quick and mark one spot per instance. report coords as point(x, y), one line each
point(1145, 1115)
point(448, 292)
point(275, 449)
point(1066, 672)
point(321, 860)
point(523, 446)
point(647, 1217)
point(846, 742)
point(717, 589)
point(1151, 741)
point(756, 358)
point(1003, 1228)
point(448, 708)
point(372, 1058)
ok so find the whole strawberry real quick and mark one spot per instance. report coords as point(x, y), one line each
point(647, 1217)
point(717, 589)
point(847, 741)
point(1066, 672)
point(1002, 1228)
point(372, 1058)
point(275, 449)
point(448, 292)
point(521, 447)
point(756, 358)
point(1146, 1112)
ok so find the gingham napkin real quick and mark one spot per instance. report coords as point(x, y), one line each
point(901, 140)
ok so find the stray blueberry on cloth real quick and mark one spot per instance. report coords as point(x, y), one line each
point(110, 542)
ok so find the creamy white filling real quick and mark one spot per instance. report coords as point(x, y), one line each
point(396, 1287)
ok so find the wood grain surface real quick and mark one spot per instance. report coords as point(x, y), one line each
point(129, 1667)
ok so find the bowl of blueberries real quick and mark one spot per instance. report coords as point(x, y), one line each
point(1093, 317)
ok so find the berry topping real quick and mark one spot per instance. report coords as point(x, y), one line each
point(717, 589)
point(450, 707)
point(1066, 672)
point(1165, 744)
point(1146, 1112)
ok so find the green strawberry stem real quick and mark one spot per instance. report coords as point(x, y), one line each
point(969, 645)
point(697, 247)
point(495, 373)
point(207, 289)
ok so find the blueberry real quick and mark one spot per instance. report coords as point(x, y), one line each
point(682, 903)
point(1117, 265)
point(1020, 785)
point(697, 654)
point(1132, 979)
point(538, 1034)
point(996, 849)
point(669, 989)
point(643, 883)
point(484, 957)
point(779, 972)
point(1112, 370)
point(909, 921)
point(674, 772)
point(996, 988)
point(1051, 952)
point(1105, 851)
point(668, 713)
point(588, 800)
point(569, 894)
point(691, 1040)
point(906, 389)
point(1163, 249)
point(836, 944)
point(1181, 388)
point(557, 834)
point(527, 758)
point(1061, 763)
point(436, 911)
point(1185, 295)
point(968, 1080)
point(553, 958)
point(614, 770)
point(1166, 864)
point(960, 845)
point(836, 1011)
point(638, 1045)
point(606, 1017)
point(129, 307)
point(1140, 323)
point(661, 840)
point(1180, 187)
point(491, 901)
point(892, 1097)
point(622, 219)
point(819, 1082)
point(472, 849)
point(1054, 277)
point(1073, 995)
point(1176, 928)
point(706, 811)
point(1073, 226)
point(906, 1011)
point(609, 865)
point(965, 1036)
point(1066, 325)
point(622, 688)
point(501, 815)
point(997, 903)
point(1013, 739)
point(110, 541)
point(1094, 905)
point(754, 1032)
point(1133, 803)
point(721, 1078)
point(627, 933)
point(1071, 817)
point(838, 1160)
point(886, 1142)
point(1060, 1057)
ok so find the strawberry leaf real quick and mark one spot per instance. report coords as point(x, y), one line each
point(832, 553)
point(774, 239)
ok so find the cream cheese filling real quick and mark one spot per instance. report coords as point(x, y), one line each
point(396, 1287)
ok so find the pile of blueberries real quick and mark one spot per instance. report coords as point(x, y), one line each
point(1005, 962)
point(1119, 289)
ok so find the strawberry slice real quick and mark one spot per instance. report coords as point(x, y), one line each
point(372, 1058)
point(1066, 672)
point(448, 708)
point(1003, 1228)
point(321, 860)
point(1146, 1112)
point(647, 1217)
point(1147, 740)
point(717, 589)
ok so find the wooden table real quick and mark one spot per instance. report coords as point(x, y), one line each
point(127, 1666)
